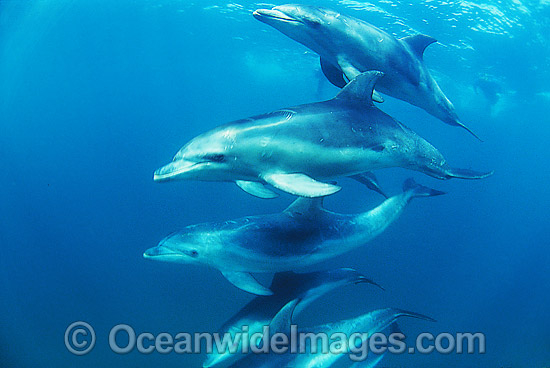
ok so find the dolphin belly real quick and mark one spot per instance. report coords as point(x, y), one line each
point(322, 161)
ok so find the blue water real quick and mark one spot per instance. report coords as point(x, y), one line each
point(95, 95)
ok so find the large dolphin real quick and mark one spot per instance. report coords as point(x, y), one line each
point(286, 286)
point(348, 46)
point(378, 321)
point(303, 235)
point(291, 148)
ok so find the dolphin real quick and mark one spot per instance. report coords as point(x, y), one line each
point(378, 321)
point(286, 286)
point(302, 235)
point(293, 147)
point(490, 87)
point(348, 46)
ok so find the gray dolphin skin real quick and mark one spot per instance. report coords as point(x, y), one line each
point(303, 235)
point(348, 46)
point(293, 148)
point(377, 321)
point(286, 286)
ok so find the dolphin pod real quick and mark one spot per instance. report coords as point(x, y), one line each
point(348, 46)
point(299, 150)
point(286, 286)
point(293, 148)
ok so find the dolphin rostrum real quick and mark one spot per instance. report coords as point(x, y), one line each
point(348, 46)
point(286, 286)
point(293, 148)
point(302, 235)
point(378, 321)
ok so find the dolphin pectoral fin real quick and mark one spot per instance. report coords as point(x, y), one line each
point(377, 97)
point(256, 189)
point(368, 179)
point(333, 74)
point(350, 72)
point(467, 174)
point(301, 185)
point(245, 281)
point(361, 88)
point(418, 43)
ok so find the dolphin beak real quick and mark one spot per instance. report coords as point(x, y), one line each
point(161, 253)
point(264, 15)
point(172, 170)
point(154, 252)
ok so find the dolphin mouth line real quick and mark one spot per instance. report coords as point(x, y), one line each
point(161, 255)
point(274, 14)
point(151, 254)
point(160, 176)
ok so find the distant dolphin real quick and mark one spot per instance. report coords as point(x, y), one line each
point(293, 147)
point(303, 235)
point(378, 321)
point(348, 46)
point(490, 87)
point(286, 286)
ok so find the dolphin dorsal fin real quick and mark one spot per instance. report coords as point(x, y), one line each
point(360, 88)
point(418, 43)
point(305, 206)
point(283, 319)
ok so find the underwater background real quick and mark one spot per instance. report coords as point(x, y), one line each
point(96, 95)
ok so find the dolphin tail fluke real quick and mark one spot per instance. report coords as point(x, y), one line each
point(364, 280)
point(417, 190)
point(370, 181)
point(467, 174)
point(388, 316)
point(403, 313)
point(458, 123)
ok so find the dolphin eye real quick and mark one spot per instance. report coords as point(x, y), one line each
point(214, 157)
point(193, 253)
